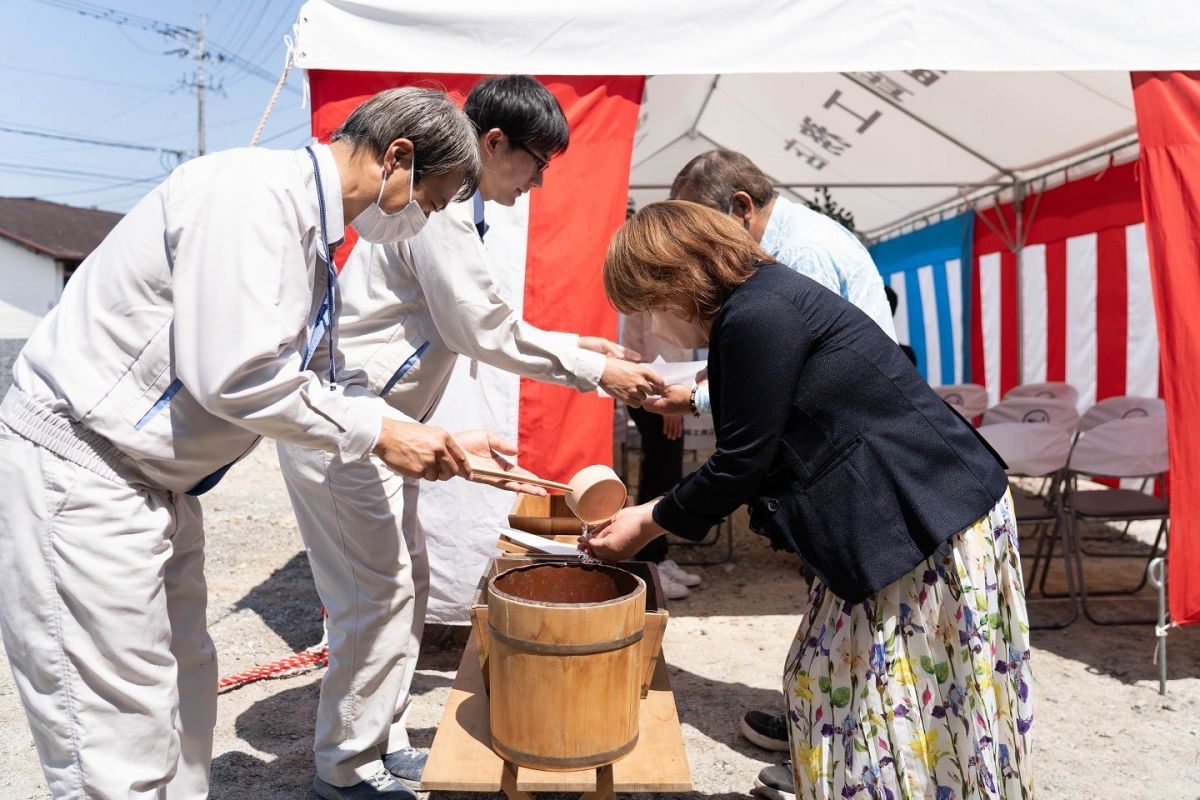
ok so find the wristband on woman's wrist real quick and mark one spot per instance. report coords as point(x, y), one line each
point(692, 400)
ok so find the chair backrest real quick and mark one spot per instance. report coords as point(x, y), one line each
point(1122, 407)
point(1055, 390)
point(968, 399)
point(1033, 449)
point(1034, 409)
point(699, 433)
point(1122, 448)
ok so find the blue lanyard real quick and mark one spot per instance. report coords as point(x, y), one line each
point(325, 316)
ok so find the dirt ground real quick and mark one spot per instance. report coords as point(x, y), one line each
point(1102, 730)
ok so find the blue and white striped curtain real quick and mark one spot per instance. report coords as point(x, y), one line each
point(930, 272)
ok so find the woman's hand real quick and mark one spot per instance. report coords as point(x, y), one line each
point(676, 400)
point(630, 383)
point(625, 534)
point(490, 449)
point(598, 344)
point(672, 427)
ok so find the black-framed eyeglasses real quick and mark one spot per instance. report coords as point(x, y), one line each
point(541, 162)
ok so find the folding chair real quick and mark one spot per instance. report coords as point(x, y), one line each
point(1121, 448)
point(1055, 411)
point(1122, 407)
point(700, 436)
point(1055, 391)
point(1119, 407)
point(1037, 449)
point(968, 399)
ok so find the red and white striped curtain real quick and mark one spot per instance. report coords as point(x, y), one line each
point(1077, 305)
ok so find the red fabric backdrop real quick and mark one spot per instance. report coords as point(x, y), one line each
point(571, 218)
point(1168, 115)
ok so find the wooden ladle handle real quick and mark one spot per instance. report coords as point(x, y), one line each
point(479, 467)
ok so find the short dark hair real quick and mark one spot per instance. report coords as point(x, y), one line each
point(711, 179)
point(893, 298)
point(521, 107)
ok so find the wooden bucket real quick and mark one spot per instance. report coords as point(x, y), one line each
point(565, 664)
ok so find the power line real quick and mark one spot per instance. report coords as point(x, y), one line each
point(46, 171)
point(99, 189)
point(78, 78)
point(67, 137)
point(282, 134)
point(212, 50)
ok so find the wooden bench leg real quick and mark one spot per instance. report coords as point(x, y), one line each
point(604, 785)
point(508, 783)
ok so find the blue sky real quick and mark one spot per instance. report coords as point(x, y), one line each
point(66, 73)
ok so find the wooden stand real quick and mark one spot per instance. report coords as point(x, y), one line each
point(462, 758)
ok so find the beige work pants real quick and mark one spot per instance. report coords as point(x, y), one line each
point(358, 520)
point(102, 608)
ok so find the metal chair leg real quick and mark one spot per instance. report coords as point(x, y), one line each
point(1083, 593)
point(1074, 615)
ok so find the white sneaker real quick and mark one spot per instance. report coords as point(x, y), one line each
point(678, 574)
point(671, 588)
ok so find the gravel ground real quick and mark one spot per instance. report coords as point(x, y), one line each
point(1102, 730)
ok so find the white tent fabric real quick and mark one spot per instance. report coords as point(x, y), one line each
point(914, 103)
point(888, 144)
point(634, 37)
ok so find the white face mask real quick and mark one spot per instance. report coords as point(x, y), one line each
point(379, 227)
point(673, 330)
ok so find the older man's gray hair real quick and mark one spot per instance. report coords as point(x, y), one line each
point(443, 138)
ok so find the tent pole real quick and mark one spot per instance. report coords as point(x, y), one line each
point(879, 233)
point(703, 107)
point(1019, 240)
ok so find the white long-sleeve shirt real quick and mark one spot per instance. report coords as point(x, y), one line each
point(180, 338)
point(407, 311)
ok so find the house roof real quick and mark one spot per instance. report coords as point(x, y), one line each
point(58, 230)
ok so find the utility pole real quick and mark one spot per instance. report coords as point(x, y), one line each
point(199, 80)
point(200, 85)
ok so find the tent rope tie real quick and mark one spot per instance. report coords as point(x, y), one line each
point(287, 67)
point(308, 660)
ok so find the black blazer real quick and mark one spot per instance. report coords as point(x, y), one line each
point(838, 445)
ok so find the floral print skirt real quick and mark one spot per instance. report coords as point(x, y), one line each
point(923, 690)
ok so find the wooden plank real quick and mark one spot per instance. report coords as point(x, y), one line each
point(659, 762)
point(656, 626)
point(461, 758)
point(536, 780)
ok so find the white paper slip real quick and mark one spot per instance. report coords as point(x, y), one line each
point(540, 543)
point(673, 372)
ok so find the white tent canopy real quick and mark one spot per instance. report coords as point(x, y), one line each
point(888, 144)
point(904, 107)
point(635, 37)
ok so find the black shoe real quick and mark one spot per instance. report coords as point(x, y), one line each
point(382, 785)
point(406, 765)
point(768, 731)
point(775, 783)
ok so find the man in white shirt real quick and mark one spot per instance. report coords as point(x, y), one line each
point(179, 342)
point(408, 312)
point(793, 234)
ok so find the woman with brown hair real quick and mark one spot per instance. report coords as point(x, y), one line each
point(909, 676)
